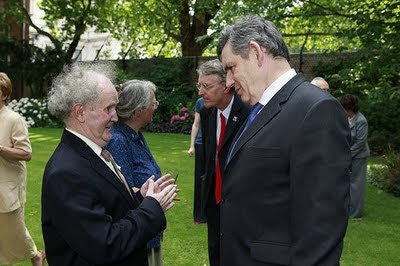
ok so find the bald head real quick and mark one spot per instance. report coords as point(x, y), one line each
point(321, 82)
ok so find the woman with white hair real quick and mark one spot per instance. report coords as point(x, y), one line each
point(135, 109)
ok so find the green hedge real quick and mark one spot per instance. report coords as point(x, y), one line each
point(375, 79)
point(386, 176)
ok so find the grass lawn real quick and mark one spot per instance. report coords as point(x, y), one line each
point(372, 241)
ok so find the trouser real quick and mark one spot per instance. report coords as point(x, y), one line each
point(213, 223)
point(198, 213)
point(358, 179)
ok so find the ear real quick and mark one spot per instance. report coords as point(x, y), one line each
point(227, 89)
point(78, 112)
point(137, 112)
point(256, 51)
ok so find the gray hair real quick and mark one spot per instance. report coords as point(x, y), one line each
point(78, 83)
point(318, 79)
point(213, 67)
point(134, 95)
point(253, 28)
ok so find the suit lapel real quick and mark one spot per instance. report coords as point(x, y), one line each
point(269, 111)
point(213, 129)
point(102, 169)
point(97, 164)
point(233, 119)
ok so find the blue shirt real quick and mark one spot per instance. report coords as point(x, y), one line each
point(197, 108)
point(130, 151)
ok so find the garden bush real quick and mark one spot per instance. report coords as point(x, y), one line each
point(181, 122)
point(386, 176)
point(175, 84)
point(31, 68)
point(374, 78)
point(35, 112)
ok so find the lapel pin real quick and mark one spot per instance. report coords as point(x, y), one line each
point(234, 119)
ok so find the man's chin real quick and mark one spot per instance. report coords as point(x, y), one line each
point(207, 104)
point(106, 138)
point(244, 98)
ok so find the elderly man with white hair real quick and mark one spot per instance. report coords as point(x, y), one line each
point(90, 215)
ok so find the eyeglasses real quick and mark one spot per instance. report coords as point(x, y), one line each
point(205, 86)
point(155, 105)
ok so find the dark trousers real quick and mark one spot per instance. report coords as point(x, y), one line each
point(213, 223)
point(198, 215)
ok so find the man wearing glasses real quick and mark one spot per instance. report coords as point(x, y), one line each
point(222, 117)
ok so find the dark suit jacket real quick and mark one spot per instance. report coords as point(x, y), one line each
point(208, 118)
point(88, 216)
point(285, 194)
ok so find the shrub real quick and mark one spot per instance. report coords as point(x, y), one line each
point(174, 80)
point(375, 79)
point(35, 112)
point(179, 123)
point(387, 176)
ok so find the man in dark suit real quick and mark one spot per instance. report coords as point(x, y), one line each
point(285, 194)
point(90, 216)
point(220, 121)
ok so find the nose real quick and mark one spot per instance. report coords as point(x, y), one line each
point(229, 79)
point(201, 91)
point(114, 116)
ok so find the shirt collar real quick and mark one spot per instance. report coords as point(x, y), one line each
point(276, 86)
point(226, 112)
point(96, 148)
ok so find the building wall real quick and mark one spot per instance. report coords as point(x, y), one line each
point(91, 42)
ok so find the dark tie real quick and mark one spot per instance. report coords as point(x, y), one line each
point(108, 157)
point(256, 108)
point(218, 176)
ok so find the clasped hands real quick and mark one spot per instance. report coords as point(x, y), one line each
point(163, 190)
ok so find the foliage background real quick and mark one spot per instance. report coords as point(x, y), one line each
point(175, 89)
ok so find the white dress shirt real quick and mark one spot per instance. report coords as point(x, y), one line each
point(276, 86)
point(226, 112)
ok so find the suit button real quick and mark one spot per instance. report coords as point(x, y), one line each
point(221, 235)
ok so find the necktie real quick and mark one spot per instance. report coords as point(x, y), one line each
point(256, 108)
point(108, 157)
point(218, 175)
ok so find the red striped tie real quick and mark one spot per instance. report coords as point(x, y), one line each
point(218, 176)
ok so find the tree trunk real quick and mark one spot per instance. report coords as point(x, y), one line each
point(190, 31)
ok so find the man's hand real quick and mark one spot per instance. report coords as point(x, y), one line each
point(159, 185)
point(165, 196)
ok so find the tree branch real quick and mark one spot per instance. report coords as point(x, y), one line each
point(306, 33)
point(332, 11)
point(56, 42)
point(302, 50)
point(80, 28)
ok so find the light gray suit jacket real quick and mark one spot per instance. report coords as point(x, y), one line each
point(359, 136)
